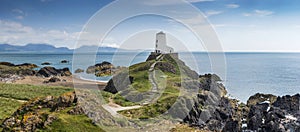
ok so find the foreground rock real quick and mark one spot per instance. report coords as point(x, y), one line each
point(51, 71)
point(30, 118)
point(280, 115)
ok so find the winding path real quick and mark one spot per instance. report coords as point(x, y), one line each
point(154, 90)
point(113, 108)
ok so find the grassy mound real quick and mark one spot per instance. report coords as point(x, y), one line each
point(168, 72)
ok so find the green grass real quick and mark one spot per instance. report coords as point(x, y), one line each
point(117, 98)
point(167, 99)
point(27, 92)
point(8, 107)
point(120, 100)
point(141, 81)
point(141, 76)
point(72, 123)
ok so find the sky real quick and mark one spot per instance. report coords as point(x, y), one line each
point(240, 25)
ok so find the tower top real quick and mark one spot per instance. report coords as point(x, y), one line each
point(161, 32)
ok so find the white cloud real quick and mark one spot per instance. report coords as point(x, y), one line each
point(212, 13)
point(18, 34)
point(260, 13)
point(18, 11)
point(232, 6)
point(19, 14)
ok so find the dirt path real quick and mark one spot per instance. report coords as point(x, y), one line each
point(113, 108)
point(154, 90)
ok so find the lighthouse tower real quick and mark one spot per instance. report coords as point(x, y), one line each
point(161, 44)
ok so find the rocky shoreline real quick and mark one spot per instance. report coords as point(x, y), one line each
point(11, 73)
point(211, 111)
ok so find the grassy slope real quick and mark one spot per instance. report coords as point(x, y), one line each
point(26, 92)
point(66, 122)
point(140, 74)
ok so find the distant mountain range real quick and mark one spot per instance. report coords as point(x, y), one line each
point(50, 48)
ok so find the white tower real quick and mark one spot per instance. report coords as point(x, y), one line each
point(161, 44)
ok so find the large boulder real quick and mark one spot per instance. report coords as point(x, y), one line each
point(51, 71)
point(119, 82)
point(79, 70)
point(289, 103)
point(270, 113)
point(101, 69)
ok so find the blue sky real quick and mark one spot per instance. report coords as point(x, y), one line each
point(241, 25)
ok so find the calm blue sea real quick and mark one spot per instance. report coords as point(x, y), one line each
point(245, 75)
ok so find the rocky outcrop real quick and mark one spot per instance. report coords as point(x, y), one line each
point(101, 69)
point(24, 65)
point(119, 82)
point(26, 69)
point(166, 67)
point(53, 80)
point(27, 66)
point(7, 64)
point(30, 118)
point(51, 71)
point(79, 70)
point(64, 61)
point(46, 63)
point(279, 114)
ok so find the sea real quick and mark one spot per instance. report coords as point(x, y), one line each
point(243, 74)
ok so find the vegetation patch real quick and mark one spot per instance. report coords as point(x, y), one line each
point(8, 107)
point(27, 92)
point(72, 123)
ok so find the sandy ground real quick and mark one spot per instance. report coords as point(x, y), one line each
point(70, 81)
